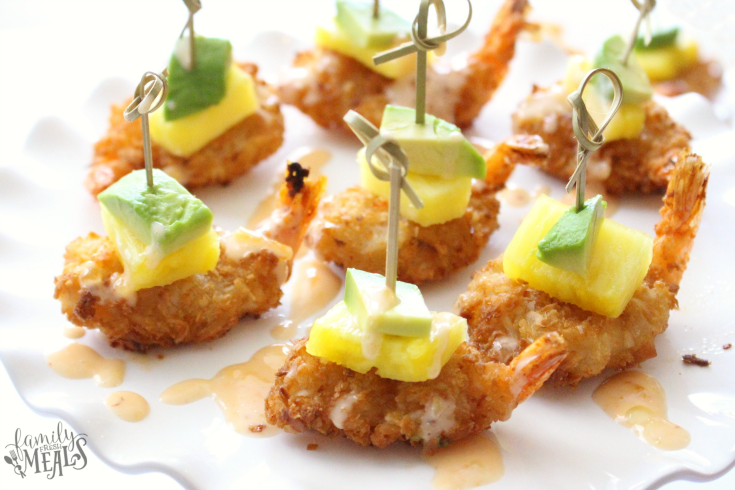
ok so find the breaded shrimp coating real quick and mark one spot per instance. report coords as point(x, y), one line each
point(505, 315)
point(470, 393)
point(351, 228)
point(228, 156)
point(703, 77)
point(635, 165)
point(198, 308)
point(324, 84)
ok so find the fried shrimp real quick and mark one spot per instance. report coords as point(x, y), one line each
point(636, 165)
point(228, 156)
point(471, 392)
point(199, 308)
point(324, 84)
point(351, 228)
point(505, 315)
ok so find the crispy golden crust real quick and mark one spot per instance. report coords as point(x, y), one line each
point(496, 306)
point(351, 231)
point(703, 77)
point(469, 394)
point(637, 165)
point(500, 310)
point(325, 84)
point(198, 308)
point(259, 135)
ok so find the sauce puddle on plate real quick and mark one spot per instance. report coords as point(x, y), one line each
point(128, 406)
point(239, 390)
point(74, 332)
point(77, 361)
point(467, 463)
point(314, 286)
point(637, 400)
point(313, 159)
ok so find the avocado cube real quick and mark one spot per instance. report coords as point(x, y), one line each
point(636, 86)
point(434, 148)
point(165, 216)
point(357, 21)
point(193, 90)
point(568, 244)
point(409, 318)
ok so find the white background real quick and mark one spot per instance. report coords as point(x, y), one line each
point(41, 45)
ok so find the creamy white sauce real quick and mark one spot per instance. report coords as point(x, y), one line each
point(152, 254)
point(441, 324)
point(378, 300)
point(341, 410)
point(437, 418)
point(242, 242)
point(182, 52)
point(90, 279)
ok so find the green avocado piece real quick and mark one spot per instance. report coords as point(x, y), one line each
point(636, 86)
point(410, 318)
point(659, 39)
point(433, 148)
point(568, 244)
point(165, 216)
point(191, 91)
point(357, 21)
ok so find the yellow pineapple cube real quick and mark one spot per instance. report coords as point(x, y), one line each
point(332, 37)
point(185, 136)
point(338, 338)
point(666, 63)
point(620, 260)
point(144, 269)
point(444, 199)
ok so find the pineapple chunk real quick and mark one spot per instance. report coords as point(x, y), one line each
point(185, 136)
point(144, 270)
point(628, 122)
point(338, 338)
point(620, 260)
point(444, 199)
point(666, 63)
point(332, 37)
point(577, 68)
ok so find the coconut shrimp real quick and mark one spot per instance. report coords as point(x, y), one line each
point(246, 281)
point(504, 315)
point(228, 156)
point(703, 77)
point(325, 84)
point(636, 165)
point(351, 227)
point(471, 392)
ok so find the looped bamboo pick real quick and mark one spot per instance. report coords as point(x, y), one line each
point(150, 94)
point(589, 136)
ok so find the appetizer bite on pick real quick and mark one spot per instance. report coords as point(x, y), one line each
point(165, 277)
point(458, 191)
point(218, 121)
point(642, 143)
point(610, 315)
point(339, 75)
point(400, 373)
point(672, 61)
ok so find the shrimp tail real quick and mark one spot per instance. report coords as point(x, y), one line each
point(535, 364)
point(680, 217)
point(521, 148)
point(298, 200)
point(488, 66)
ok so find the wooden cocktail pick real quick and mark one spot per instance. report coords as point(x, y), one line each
point(394, 163)
point(150, 94)
point(589, 136)
point(421, 45)
point(644, 7)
